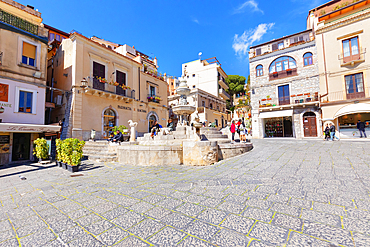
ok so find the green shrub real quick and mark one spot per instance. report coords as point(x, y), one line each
point(71, 151)
point(41, 149)
point(58, 144)
point(120, 128)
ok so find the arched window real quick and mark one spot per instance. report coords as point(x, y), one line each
point(259, 70)
point(307, 59)
point(282, 64)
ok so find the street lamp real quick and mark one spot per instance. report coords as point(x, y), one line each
point(84, 85)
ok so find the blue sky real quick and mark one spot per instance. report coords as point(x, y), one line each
point(176, 31)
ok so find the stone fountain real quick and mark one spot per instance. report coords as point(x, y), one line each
point(187, 145)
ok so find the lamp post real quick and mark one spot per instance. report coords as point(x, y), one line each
point(84, 84)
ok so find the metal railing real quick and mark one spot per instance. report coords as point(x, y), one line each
point(18, 22)
point(97, 84)
point(289, 100)
point(223, 91)
point(342, 95)
point(152, 98)
point(352, 58)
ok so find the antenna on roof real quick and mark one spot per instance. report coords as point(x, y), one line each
point(200, 55)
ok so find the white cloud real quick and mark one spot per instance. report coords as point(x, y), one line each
point(195, 20)
point(242, 43)
point(250, 3)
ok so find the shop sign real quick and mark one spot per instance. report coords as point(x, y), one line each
point(4, 91)
point(124, 107)
point(5, 139)
point(28, 128)
point(5, 105)
point(140, 110)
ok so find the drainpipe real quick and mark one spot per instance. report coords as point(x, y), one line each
point(138, 69)
point(326, 74)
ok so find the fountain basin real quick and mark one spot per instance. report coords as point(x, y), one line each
point(183, 109)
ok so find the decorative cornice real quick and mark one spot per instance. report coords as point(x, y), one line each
point(346, 21)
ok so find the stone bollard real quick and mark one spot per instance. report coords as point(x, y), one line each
point(133, 131)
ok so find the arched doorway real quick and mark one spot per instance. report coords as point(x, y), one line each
point(152, 117)
point(109, 121)
point(309, 124)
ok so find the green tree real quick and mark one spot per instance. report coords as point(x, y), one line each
point(236, 84)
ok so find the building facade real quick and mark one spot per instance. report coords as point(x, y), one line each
point(284, 87)
point(211, 109)
point(23, 52)
point(342, 37)
point(118, 88)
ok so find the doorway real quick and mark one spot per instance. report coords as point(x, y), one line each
point(109, 121)
point(152, 120)
point(21, 146)
point(309, 124)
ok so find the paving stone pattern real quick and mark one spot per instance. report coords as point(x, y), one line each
point(282, 193)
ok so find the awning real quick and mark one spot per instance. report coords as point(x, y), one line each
point(273, 114)
point(29, 128)
point(353, 108)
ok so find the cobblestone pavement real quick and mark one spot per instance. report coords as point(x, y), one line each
point(282, 193)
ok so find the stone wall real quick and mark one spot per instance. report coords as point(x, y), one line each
point(306, 81)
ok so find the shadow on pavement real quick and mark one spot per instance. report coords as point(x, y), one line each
point(25, 168)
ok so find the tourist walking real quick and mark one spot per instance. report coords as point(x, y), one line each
point(327, 132)
point(242, 132)
point(232, 130)
point(332, 132)
point(361, 128)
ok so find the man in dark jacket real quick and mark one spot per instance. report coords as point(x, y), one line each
point(332, 132)
point(361, 128)
point(117, 138)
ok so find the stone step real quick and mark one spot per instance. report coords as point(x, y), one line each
point(99, 153)
point(102, 158)
point(202, 131)
point(216, 136)
point(97, 143)
point(95, 148)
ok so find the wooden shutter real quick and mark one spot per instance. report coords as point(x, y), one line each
point(29, 50)
point(98, 70)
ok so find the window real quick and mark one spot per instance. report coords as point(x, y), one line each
point(282, 64)
point(57, 37)
point(259, 70)
point(51, 36)
point(210, 105)
point(258, 51)
point(193, 75)
point(355, 86)
point(280, 45)
point(193, 86)
point(284, 95)
point(350, 49)
point(203, 103)
point(121, 80)
point(28, 54)
point(98, 71)
point(152, 90)
point(307, 59)
point(25, 102)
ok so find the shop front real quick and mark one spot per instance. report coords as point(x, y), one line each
point(16, 140)
point(277, 123)
point(348, 117)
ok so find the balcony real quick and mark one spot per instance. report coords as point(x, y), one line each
point(17, 22)
point(154, 98)
point(222, 83)
point(293, 100)
point(283, 74)
point(110, 89)
point(343, 96)
point(222, 92)
point(153, 73)
point(353, 59)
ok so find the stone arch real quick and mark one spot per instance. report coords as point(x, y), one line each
point(318, 121)
point(102, 117)
point(151, 113)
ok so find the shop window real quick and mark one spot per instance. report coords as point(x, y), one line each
point(307, 59)
point(284, 95)
point(28, 54)
point(259, 70)
point(350, 50)
point(355, 86)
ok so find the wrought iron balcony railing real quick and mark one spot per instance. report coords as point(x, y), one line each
point(99, 85)
point(18, 22)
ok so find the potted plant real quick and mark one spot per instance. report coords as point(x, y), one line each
point(121, 128)
point(41, 149)
point(66, 151)
point(268, 97)
point(58, 144)
point(76, 155)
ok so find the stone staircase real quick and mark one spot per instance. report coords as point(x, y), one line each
point(212, 134)
point(100, 151)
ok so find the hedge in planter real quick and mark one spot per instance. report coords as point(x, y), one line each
point(41, 149)
point(71, 153)
point(58, 144)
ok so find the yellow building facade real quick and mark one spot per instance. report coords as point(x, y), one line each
point(107, 87)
